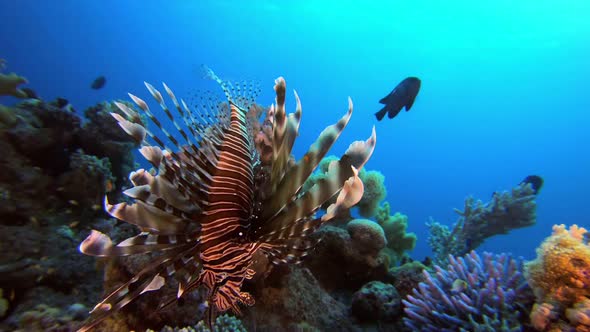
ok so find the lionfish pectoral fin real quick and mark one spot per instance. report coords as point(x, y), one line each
point(359, 152)
point(295, 177)
point(351, 193)
point(96, 244)
point(151, 278)
point(285, 223)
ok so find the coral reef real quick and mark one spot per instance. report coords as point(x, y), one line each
point(472, 294)
point(376, 301)
point(9, 83)
point(479, 221)
point(291, 298)
point(406, 277)
point(339, 265)
point(560, 278)
point(367, 236)
point(375, 192)
point(51, 190)
point(223, 323)
point(45, 318)
point(398, 240)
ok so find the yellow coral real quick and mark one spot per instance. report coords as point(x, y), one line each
point(561, 271)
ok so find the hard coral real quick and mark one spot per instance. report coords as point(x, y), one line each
point(367, 235)
point(472, 294)
point(560, 277)
point(376, 301)
point(478, 221)
point(561, 271)
point(338, 264)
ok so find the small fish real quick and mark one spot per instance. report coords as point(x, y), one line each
point(535, 181)
point(99, 82)
point(459, 286)
point(404, 94)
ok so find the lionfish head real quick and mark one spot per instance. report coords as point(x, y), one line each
point(214, 202)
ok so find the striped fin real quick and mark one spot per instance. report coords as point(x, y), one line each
point(290, 251)
point(100, 245)
point(148, 216)
point(285, 224)
point(150, 278)
point(351, 193)
point(296, 176)
point(285, 130)
point(291, 244)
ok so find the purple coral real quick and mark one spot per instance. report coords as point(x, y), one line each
point(473, 294)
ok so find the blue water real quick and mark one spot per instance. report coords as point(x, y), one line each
point(504, 83)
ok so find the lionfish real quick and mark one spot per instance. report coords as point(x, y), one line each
point(213, 205)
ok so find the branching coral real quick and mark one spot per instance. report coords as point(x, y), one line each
point(473, 294)
point(560, 278)
point(479, 221)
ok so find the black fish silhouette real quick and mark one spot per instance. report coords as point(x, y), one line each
point(404, 94)
point(98, 83)
point(535, 181)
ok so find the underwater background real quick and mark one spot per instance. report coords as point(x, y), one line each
point(504, 85)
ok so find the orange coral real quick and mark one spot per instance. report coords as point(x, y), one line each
point(561, 272)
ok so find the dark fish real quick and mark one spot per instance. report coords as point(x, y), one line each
point(535, 181)
point(98, 83)
point(427, 261)
point(404, 94)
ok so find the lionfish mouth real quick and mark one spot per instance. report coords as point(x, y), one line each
point(218, 197)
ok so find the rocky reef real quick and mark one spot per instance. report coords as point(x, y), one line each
point(55, 169)
point(58, 165)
